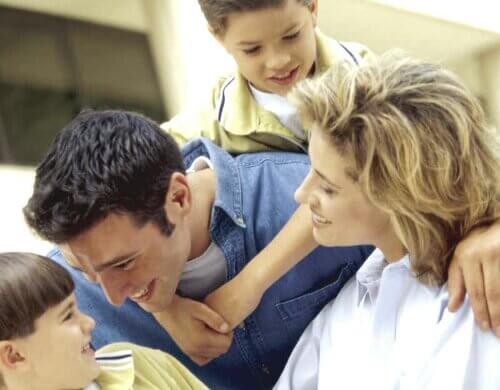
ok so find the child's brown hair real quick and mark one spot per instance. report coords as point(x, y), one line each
point(216, 11)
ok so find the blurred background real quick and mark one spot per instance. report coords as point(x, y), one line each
point(157, 57)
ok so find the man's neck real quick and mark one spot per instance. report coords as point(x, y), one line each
point(202, 184)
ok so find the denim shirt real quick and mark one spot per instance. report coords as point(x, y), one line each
point(253, 200)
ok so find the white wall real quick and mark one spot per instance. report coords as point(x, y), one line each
point(16, 187)
point(189, 59)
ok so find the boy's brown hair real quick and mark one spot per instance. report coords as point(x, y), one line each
point(216, 11)
point(29, 285)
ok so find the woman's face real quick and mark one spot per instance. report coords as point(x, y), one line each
point(341, 213)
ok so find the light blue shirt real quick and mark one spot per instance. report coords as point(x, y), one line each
point(386, 330)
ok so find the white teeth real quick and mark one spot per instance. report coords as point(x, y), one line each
point(320, 219)
point(141, 293)
point(284, 77)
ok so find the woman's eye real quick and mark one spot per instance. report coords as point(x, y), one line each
point(328, 191)
point(252, 50)
point(291, 36)
point(68, 316)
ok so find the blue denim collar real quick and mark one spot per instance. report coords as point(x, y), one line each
point(228, 193)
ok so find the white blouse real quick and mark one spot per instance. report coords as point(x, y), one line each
point(385, 330)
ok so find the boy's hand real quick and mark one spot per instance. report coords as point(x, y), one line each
point(199, 332)
point(236, 299)
point(475, 267)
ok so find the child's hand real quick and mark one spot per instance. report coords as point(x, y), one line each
point(236, 299)
point(199, 332)
point(475, 267)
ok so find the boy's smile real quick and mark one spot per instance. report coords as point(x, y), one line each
point(273, 47)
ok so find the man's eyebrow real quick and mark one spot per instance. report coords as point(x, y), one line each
point(116, 260)
point(66, 308)
point(248, 43)
point(323, 177)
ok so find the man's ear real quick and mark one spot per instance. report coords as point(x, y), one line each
point(178, 198)
point(10, 357)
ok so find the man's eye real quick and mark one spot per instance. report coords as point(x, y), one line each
point(252, 50)
point(125, 265)
point(291, 36)
point(68, 316)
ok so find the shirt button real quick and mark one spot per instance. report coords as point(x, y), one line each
point(265, 369)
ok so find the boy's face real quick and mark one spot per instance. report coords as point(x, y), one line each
point(58, 353)
point(273, 47)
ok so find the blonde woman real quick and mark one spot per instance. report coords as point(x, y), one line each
point(401, 158)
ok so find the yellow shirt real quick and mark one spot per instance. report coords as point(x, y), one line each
point(233, 120)
point(127, 366)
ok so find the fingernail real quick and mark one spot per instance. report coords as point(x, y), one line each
point(497, 331)
point(224, 327)
point(485, 325)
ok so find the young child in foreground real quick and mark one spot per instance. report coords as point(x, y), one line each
point(45, 339)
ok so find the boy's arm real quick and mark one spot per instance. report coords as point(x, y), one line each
point(475, 268)
point(239, 297)
point(197, 330)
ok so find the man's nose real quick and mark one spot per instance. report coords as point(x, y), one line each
point(115, 288)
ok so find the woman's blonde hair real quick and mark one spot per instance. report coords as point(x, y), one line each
point(421, 148)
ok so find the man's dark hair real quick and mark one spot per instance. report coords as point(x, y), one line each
point(103, 162)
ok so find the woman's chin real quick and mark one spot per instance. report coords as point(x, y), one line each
point(323, 239)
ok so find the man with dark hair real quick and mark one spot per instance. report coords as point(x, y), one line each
point(113, 194)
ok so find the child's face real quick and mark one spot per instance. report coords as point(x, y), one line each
point(58, 354)
point(273, 47)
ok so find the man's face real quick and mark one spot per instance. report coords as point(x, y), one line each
point(133, 262)
point(273, 47)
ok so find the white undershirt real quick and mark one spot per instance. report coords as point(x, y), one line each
point(386, 330)
point(92, 386)
point(207, 272)
point(278, 105)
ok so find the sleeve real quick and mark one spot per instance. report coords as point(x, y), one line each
point(301, 370)
point(198, 121)
point(151, 369)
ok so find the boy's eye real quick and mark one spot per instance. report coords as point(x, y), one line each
point(291, 36)
point(252, 50)
point(68, 316)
